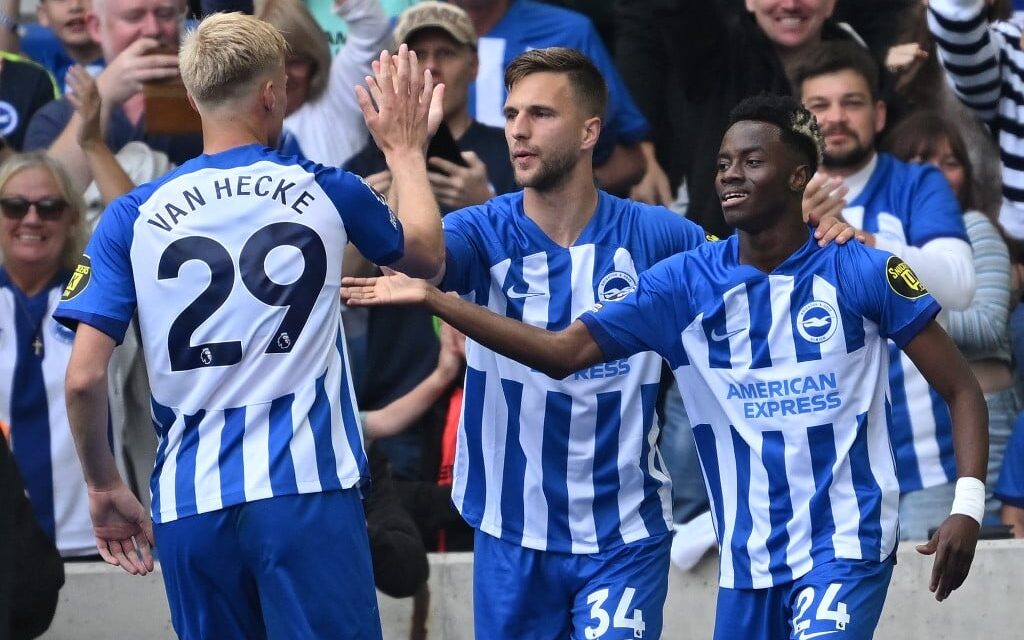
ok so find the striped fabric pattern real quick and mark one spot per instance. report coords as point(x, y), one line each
point(985, 66)
point(784, 377)
point(566, 465)
point(983, 330)
point(233, 261)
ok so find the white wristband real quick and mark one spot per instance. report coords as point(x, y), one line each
point(969, 499)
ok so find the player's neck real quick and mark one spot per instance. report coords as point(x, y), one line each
point(563, 211)
point(221, 135)
point(765, 249)
point(30, 279)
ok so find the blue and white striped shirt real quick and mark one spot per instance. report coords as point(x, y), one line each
point(234, 263)
point(561, 465)
point(913, 204)
point(32, 403)
point(784, 379)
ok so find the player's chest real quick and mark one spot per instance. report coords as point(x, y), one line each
point(552, 288)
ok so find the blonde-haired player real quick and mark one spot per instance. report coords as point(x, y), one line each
point(233, 262)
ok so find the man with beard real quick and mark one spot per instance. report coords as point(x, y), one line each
point(780, 351)
point(561, 477)
point(910, 211)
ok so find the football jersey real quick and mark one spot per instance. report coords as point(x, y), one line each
point(783, 375)
point(32, 403)
point(534, 25)
point(914, 204)
point(234, 263)
point(562, 465)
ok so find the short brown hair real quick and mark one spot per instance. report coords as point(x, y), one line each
point(833, 57)
point(226, 52)
point(584, 77)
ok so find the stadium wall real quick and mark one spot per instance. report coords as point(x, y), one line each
point(100, 602)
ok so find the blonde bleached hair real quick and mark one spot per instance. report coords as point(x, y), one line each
point(79, 234)
point(225, 53)
point(305, 38)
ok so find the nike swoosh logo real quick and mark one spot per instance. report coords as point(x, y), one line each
point(808, 636)
point(717, 337)
point(516, 295)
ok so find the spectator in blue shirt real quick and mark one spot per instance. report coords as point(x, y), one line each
point(508, 28)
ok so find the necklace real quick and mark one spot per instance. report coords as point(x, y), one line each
point(37, 338)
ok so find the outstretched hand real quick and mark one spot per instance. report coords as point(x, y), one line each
point(124, 532)
point(391, 288)
point(401, 105)
point(953, 545)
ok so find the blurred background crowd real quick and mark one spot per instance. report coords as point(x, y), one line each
point(89, 108)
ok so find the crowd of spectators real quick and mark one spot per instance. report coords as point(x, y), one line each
point(935, 86)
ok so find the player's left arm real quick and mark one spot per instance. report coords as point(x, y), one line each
point(556, 354)
point(124, 534)
point(945, 369)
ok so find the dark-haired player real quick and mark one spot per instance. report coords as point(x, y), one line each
point(779, 350)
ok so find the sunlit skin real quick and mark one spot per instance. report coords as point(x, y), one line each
point(791, 24)
point(122, 22)
point(848, 116)
point(546, 130)
point(31, 245)
point(455, 65)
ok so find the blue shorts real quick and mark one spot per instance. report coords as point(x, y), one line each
point(525, 594)
point(838, 600)
point(287, 567)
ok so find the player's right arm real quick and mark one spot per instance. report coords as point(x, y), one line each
point(407, 111)
point(556, 354)
point(119, 521)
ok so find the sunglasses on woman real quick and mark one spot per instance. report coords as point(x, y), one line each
point(17, 208)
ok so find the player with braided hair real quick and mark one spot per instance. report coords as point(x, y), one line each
point(779, 349)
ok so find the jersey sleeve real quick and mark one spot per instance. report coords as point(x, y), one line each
point(884, 289)
point(935, 211)
point(369, 222)
point(101, 291)
point(648, 319)
point(670, 233)
point(463, 251)
point(1010, 487)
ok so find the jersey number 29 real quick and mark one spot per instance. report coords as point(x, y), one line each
point(299, 295)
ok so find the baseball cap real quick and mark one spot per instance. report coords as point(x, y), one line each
point(438, 15)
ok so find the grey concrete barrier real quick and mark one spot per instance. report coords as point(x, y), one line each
point(102, 603)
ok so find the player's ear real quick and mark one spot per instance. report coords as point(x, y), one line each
point(799, 178)
point(591, 132)
point(267, 97)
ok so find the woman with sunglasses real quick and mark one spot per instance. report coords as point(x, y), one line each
point(41, 238)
